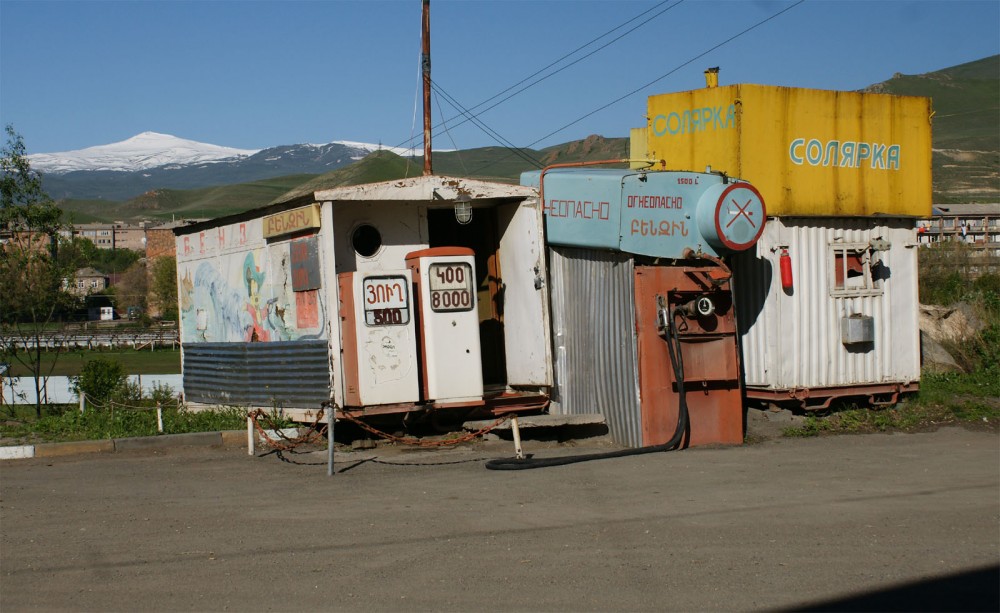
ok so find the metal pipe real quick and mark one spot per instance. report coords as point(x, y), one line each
point(517, 437)
point(331, 417)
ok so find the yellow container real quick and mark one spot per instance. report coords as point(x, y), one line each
point(809, 152)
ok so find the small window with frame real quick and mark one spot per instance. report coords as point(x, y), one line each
point(852, 271)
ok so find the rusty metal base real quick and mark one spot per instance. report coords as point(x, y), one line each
point(496, 403)
point(820, 398)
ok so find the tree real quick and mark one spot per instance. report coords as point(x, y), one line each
point(32, 276)
point(163, 287)
point(131, 288)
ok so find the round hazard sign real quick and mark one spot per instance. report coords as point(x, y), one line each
point(731, 216)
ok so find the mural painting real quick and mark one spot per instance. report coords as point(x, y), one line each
point(241, 290)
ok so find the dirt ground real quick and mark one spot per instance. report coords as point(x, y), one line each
point(868, 522)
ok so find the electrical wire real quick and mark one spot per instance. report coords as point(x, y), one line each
point(458, 152)
point(486, 129)
point(408, 143)
point(653, 82)
point(555, 72)
point(667, 74)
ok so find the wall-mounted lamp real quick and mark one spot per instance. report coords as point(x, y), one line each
point(463, 209)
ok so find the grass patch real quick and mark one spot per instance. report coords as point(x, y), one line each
point(70, 363)
point(61, 423)
point(970, 400)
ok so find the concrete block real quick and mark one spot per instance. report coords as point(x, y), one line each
point(17, 452)
point(540, 421)
point(234, 438)
point(52, 450)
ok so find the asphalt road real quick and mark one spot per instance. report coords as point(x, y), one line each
point(905, 522)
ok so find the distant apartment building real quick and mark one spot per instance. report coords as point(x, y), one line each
point(117, 235)
point(977, 224)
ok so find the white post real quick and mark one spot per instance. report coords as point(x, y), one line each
point(83, 401)
point(517, 437)
point(249, 435)
point(159, 417)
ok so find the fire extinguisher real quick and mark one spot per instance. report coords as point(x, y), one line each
point(786, 270)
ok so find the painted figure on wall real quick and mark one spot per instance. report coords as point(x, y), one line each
point(253, 279)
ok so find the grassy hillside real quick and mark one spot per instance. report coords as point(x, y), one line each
point(164, 204)
point(966, 132)
point(376, 167)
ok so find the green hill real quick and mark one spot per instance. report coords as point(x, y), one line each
point(966, 131)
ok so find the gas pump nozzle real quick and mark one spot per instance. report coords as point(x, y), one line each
point(662, 315)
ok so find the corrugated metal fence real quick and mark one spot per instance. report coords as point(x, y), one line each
point(293, 374)
point(593, 322)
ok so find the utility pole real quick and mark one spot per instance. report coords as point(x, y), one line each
point(425, 58)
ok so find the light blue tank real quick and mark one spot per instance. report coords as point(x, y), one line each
point(658, 214)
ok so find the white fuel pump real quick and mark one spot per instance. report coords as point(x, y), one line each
point(445, 286)
point(379, 338)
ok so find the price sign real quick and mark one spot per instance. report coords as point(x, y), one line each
point(387, 301)
point(451, 287)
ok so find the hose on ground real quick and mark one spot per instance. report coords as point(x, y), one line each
point(675, 442)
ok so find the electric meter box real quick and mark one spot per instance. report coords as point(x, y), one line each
point(445, 286)
point(379, 338)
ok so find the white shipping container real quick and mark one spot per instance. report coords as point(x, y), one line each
point(848, 326)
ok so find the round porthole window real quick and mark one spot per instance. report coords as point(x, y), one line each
point(366, 240)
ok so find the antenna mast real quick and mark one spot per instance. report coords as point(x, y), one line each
point(426, 63)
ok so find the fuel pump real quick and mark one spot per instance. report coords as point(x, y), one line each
point(451, 366)
point(676, 226)
point(379, 336)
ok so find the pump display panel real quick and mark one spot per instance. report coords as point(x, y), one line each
point(387, 301)
point(451, 287)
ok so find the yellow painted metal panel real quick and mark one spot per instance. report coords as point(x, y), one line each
point(637, 149)
point(294, 220)
point(809, 152)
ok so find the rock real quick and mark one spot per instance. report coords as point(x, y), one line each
point(934, 357)
point(363, 443)
point(944, 324)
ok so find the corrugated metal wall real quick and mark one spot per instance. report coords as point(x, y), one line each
point(294, 374)
point(593, 322)
point(793, 340)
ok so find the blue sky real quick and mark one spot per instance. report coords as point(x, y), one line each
point(254, 74)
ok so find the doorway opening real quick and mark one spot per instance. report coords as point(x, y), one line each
point(482, 236)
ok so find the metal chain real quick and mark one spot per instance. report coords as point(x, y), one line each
point(314, 435)
point(421, 443)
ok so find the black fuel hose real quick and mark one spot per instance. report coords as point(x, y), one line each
point(677, 362)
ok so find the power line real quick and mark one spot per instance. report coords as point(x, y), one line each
point(654, 81)
point(574, 62)
point(489, 131)
point(542, 70)
point(447, 131)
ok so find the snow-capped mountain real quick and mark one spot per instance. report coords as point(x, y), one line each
point(120, 171)
point(141, 152)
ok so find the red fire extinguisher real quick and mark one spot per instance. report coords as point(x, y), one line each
point(786, 270)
